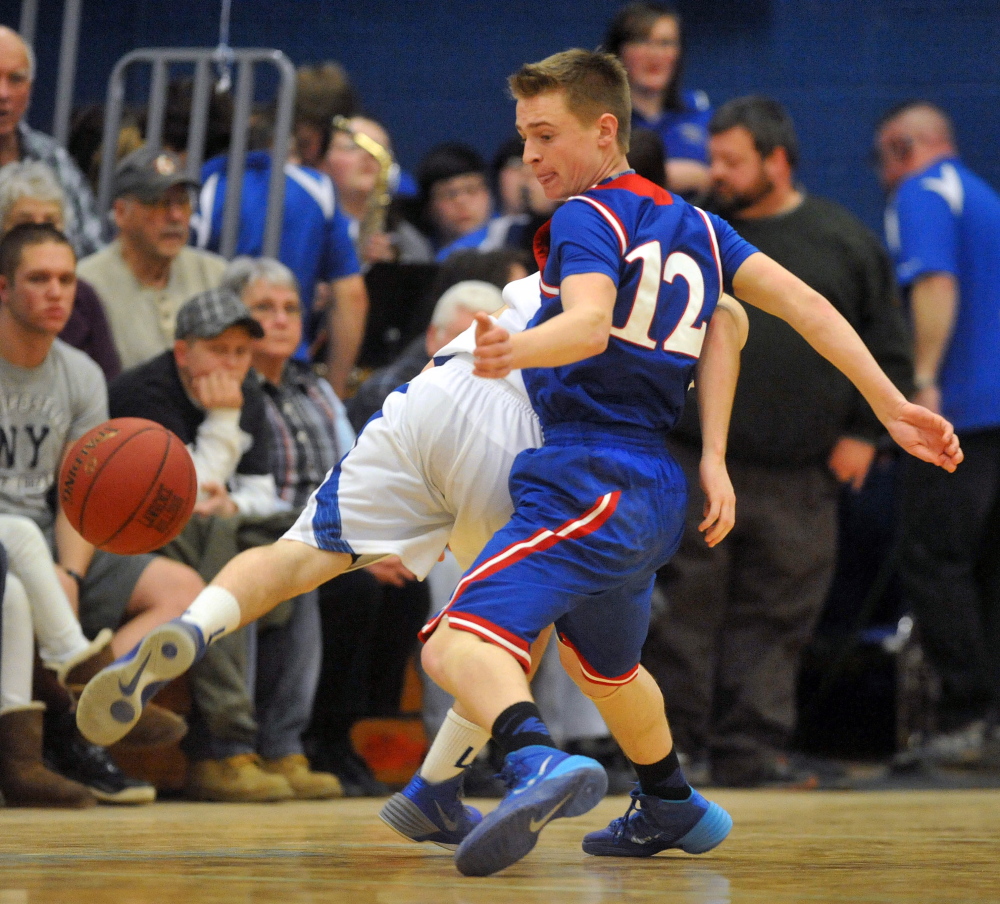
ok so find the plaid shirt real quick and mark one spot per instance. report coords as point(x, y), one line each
point(309, 428)
point(83, 226)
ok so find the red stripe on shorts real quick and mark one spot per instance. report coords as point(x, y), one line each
point(591, 674)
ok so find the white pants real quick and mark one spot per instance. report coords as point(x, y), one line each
point(431, 471)
point(34, 604)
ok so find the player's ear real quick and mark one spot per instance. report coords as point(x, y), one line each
point(181, 348)
point(607, 124)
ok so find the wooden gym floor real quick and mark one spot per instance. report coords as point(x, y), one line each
point(910, 846)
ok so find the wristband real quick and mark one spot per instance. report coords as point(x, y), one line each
point(923, 381)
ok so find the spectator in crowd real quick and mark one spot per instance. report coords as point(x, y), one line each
point(34, 604)
point(30, 193)
point(149, 271)
point(727, 651)
point(455, 197)
point(941, 225)
point(322, 91)
point(453, 313)
point(51, 395)
point(648, 39)
point(523, 205)
point(20, 142)
point(647, 157)
point(315, 244)
point(202, 391)
point(310, 433)
point(364, 195)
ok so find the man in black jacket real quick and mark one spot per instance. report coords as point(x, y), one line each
point(727, 652)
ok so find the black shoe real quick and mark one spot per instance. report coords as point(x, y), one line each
point(72, 756)
point(354, 773)
point(776, 772)
point(482, 779)
point(621, 775)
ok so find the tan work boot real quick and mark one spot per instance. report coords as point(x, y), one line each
point(24, 779)
point(157, 727)
point(236, 779)
point(306, 784)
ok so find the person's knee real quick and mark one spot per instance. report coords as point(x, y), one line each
point(168, 587)
point(597, 692)
point(16, 606)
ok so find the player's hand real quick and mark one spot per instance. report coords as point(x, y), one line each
point(926, 436)
point(850, 461)
point(214, 499)
point(493, 355)
point(218, 389)
point(391, 571)
point(720, 500)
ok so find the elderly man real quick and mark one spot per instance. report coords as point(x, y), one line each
point(148, 272)
point(203, 391)
point(19, 142)
point(453, 313)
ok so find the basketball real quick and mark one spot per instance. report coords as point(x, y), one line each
point(128, 486)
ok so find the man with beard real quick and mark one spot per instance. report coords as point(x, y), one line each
point(727, 652)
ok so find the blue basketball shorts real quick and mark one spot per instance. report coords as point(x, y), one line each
point(595, 515)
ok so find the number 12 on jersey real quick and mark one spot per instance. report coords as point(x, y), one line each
point(686, 338)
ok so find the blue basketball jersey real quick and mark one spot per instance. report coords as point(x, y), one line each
point(670, 261)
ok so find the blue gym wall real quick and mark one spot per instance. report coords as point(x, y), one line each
point(435, 70)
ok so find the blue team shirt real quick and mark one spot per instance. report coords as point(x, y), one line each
point(684, 132)
point(670, 262)
point(315, 235)
point(945, 219)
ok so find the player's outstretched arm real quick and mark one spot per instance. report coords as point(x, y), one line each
point(580, 331)
point(715, 382)
point(767, 285)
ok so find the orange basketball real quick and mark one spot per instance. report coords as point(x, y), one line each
point(128, 486)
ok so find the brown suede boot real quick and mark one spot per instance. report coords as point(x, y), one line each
point(24, 780)
point(156, 726)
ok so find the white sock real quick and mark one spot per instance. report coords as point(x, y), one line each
point(215, 611)
point(455, 747)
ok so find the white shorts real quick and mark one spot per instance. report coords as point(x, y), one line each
point(430, 472)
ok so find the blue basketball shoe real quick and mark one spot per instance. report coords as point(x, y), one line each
point(113, 699)
point(542, 784)
point(423, 811)
point(651, 825)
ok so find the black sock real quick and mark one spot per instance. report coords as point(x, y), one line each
point(664, 779)
point(520, 725)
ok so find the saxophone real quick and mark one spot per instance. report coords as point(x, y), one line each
point(377, 206)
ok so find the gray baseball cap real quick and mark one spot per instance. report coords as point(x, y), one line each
point(209, 314)
point(148, 172)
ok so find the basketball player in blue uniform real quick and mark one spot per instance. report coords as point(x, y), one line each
point(630, 275)
point(600, 506)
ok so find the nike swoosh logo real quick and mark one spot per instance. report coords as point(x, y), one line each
point(128, 689)
point(536, 825)
point(449, 824)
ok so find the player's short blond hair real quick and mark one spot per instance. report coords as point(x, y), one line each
point(595, 83)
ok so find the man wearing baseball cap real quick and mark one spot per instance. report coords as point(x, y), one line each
point(145, 275)
point(201, 390)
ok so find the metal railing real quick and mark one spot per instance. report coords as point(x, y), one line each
point(245, 59)
point(68, 46)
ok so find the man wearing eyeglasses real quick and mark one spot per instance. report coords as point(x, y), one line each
point(149, 271)
point(942, 225)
